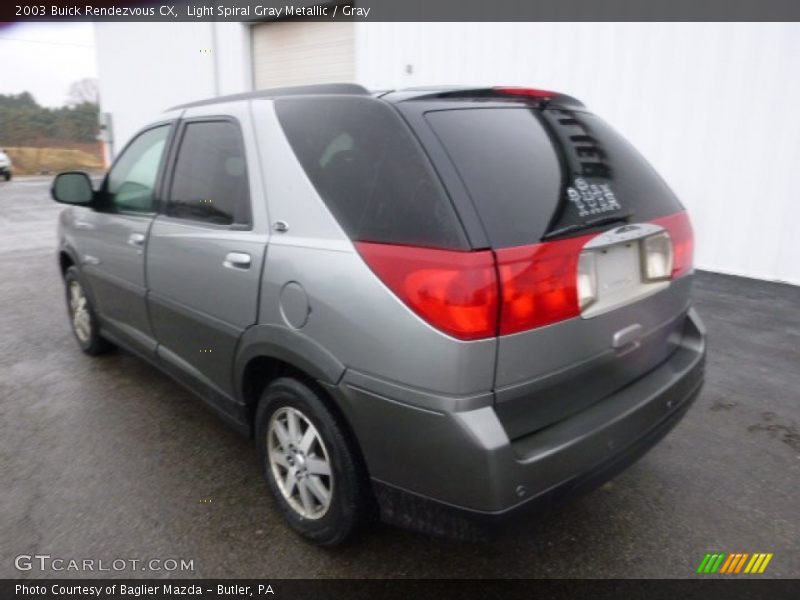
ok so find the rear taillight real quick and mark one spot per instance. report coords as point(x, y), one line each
point(455, 292)
point(539, 283)
point(481, 294)
point(680, 232)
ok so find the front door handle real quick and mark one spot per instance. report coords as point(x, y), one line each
point(237, 260)
point(136, 239)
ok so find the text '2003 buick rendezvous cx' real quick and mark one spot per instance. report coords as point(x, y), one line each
point(445, 307)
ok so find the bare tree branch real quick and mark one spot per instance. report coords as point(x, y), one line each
point(83, 91)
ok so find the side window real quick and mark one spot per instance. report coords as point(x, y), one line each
point(132, 180)
point(370, 171)
point(210, 179)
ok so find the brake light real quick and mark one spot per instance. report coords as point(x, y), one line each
point(455, 292)
point(528, 92)
point(680, 232)
point(481, 294)
point(539, 283)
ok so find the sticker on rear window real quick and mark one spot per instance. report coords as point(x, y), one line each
point(592, 198)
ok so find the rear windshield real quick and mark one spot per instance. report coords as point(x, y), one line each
point(530, 171)
point(370, 171)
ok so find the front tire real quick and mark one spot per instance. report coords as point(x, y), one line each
point(7, 175)
point(82, 317)
point(312, 468)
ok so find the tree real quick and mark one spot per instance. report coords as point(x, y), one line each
point(83, 91)
point(18, 100)
point(24, 123)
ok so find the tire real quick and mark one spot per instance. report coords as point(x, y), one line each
point(350, 501)
point(8, 175)
point(86, 327)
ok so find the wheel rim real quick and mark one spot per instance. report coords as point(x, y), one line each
point(299, 463)
point(79, 309)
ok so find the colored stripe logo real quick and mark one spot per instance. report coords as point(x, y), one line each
point(734, 563)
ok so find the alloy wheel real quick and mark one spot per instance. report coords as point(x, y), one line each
point(79, 309)
point(300, 463)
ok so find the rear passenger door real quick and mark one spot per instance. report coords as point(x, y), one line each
point(204, 256)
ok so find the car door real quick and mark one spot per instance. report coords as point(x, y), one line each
point(113, 237)
point(204, 257)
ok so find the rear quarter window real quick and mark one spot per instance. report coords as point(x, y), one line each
point(370, 170)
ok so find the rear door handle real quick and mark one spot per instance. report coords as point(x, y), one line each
point(625, 336)
point(237, 260)
point(136, 239)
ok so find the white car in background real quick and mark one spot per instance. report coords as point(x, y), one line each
point(5, 165)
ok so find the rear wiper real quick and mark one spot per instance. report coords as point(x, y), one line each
point(596, 222)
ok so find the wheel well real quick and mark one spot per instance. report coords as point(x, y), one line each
point(65, 262)
point(258, 374)
point(262, 370)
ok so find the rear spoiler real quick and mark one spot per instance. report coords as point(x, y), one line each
point(535, 96)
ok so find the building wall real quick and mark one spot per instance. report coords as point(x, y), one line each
point(714, 106)
point(145, 69)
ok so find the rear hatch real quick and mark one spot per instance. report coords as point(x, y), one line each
point(591, 247)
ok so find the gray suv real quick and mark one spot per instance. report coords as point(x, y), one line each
point(445, 307)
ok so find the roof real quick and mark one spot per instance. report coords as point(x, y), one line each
point(414, 93)
point(298, 90)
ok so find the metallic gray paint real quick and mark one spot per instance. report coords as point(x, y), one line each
point(532, 354)
point(112, 269)
point(200, 304)
point(466, 459)
point(461, 422)
point(353, 315)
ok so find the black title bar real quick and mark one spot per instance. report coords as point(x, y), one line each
point(404, 10)
point(407, 589)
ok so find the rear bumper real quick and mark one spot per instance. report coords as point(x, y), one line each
point(409, 510)
point(458, 474)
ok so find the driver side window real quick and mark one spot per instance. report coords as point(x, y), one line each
point(132, 180)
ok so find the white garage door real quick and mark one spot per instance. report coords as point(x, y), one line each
point(302, 52)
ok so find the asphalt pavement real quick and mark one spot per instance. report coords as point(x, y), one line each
point(108, 459)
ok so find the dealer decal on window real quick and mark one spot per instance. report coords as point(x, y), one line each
point(592, 198)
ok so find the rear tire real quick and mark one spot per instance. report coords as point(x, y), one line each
point(82, 316)
point(8, 175)
point(313, 470)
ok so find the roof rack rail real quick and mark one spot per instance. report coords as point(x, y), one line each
point(297, 90)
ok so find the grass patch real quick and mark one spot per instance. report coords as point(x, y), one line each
point(49, 161)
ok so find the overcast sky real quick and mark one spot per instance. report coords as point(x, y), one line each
point(44, 58)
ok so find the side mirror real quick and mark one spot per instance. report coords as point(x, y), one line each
point(73, 187)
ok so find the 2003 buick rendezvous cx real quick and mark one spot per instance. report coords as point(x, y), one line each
point(450, 305)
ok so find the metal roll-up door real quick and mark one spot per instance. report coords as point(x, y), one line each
point(302, 52)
